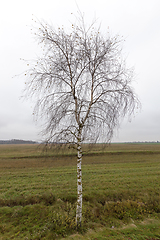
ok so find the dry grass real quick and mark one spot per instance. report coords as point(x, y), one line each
point(38, 190)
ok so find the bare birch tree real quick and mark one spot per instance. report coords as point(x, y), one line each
point(82, 87)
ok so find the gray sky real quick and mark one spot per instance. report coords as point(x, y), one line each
point(137, 21)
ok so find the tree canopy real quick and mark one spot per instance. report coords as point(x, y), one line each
point(82, 80)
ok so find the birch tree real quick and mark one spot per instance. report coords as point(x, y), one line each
point(82, 87)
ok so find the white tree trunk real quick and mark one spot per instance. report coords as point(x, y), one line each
point(79, 185)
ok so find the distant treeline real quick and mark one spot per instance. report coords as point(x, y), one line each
point(16, 141)
point(144, 142)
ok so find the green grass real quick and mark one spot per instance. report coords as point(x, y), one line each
point(121, 192)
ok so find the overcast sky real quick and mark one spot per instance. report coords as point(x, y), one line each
point(137, 21)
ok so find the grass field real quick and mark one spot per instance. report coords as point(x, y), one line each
point(121, 192)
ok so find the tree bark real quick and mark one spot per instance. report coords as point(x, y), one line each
point(79, 185)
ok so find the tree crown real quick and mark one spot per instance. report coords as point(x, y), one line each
point(81, 82)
